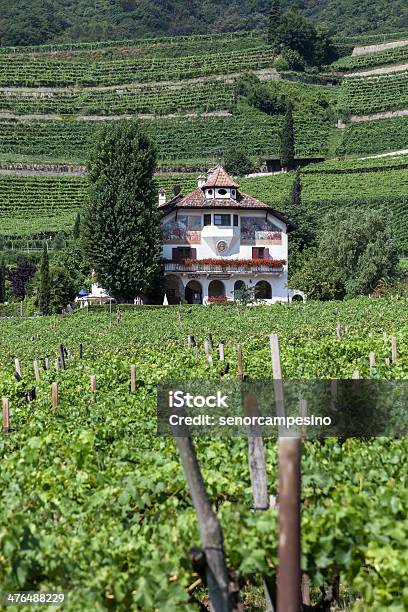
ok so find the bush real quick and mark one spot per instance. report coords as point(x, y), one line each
point(237, 162)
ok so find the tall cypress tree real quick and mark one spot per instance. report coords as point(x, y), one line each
point(3, 273)
point(121, 234)
point(296, 192)
point(76, 230)
point(44, 290)
point(275, 15)
point(287, 145)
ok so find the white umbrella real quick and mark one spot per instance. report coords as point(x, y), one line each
point(165, 301)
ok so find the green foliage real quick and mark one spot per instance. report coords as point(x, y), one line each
point(374, 137)
point(289, 59)
point(298, 34)
point(287, 145)
point(44, 284)
point(275, 15)
point(3, 276)
point(121, 228)
point(100, 501)
point(38, 22)
point(398, 55)
point(380, 93)
point(76, 230)
point(63, 289)
point(237, 162)
point(353, 254)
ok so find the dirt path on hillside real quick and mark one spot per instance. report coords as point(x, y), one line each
point(375, 71)
point(109, 117)
point(380, 47)
point(376, 116)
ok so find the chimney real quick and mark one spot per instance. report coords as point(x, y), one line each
point(200, 181)
point(162, 196)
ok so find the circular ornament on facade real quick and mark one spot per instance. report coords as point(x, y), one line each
point(222, 246)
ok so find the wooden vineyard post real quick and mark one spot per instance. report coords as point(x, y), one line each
point(6, 415)
point(62, 356)
point(211, 342)
point(133, 378)
point(356, 375)
point(303, 414)
point(210, 528)
point(394, 354)
point(221, 351)
point(289, 573)
point(259, 482)
point(372, 360)
point(36, 371)
point(47, 363)
point(17, 366)
point(189, 341)
point(56, 364)
point(55, 397)
point(240, 363)
point(207, 351)
point(277, 374)
point(387, 362)
point(93, 383)
point(81, 350)
point(338, 330)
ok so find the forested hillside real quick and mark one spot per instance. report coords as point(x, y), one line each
point(43, 21)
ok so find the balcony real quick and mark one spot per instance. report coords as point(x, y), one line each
point(225, 266)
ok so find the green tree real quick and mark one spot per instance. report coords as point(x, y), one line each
point(3, 274)
point(275, 15)
point(44, 289)
point(237, 162)
point(121, 234)
point(287, 143)
point(355, 251)
point(63, 289)
point(76, 230)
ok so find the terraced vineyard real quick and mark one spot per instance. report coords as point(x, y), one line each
point(184, 140)
point(367, 95)
point(27, 71)
point(398, 55)
point(155, 99)
point(36, 205)
point(374, 137)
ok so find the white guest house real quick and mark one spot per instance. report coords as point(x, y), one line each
point(216, 240)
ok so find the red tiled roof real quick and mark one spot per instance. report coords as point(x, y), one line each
point(197, 199)
point(220, 178)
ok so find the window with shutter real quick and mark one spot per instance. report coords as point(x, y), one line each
point(266, 254)
point(193, 254)
point(255, 253)
point(175, 254)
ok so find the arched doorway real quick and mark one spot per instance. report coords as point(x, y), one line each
point(194, 292)
point(239, 288)
point(263, 290)
point(297, 298)
point(173, 288)
point(216, 289)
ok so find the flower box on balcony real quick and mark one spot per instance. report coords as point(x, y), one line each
point(230, 263)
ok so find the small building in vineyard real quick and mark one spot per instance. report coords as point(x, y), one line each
point(219, 243)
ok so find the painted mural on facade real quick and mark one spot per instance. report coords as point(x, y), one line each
point(186, 229)
point(255, 230)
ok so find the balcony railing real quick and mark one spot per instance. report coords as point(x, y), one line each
point(226, 265)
